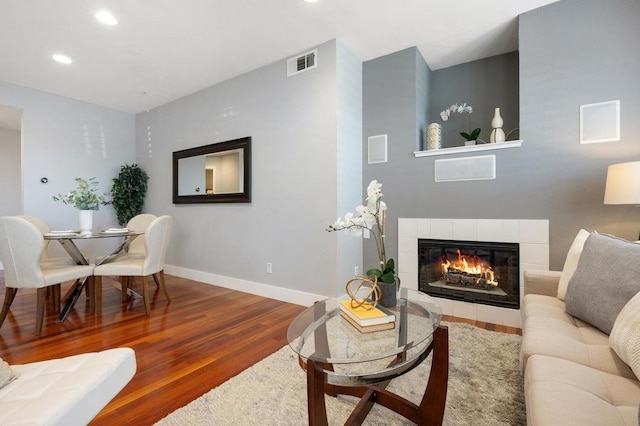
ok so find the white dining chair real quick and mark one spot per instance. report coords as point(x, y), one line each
point(139, 223)
point(21, 248)
point(44, 228)
point(128, 265)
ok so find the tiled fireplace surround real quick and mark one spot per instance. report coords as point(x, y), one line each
point(532, 235)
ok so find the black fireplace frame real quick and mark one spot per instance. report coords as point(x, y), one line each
point(508, 264)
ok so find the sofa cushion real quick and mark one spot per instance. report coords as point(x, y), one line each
point(625, 335)
point(560, 392)
point(571, 262)
point(7, 375)
point(549, 330)
point(604, 281)
point(65, 391)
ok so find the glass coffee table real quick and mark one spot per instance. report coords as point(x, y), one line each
point(339, 359)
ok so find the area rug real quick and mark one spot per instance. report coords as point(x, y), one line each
point(485, 388)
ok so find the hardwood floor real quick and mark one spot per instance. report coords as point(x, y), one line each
point(206, 335)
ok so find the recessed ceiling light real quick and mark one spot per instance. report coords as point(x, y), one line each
point(106, 18)
point(63, 59)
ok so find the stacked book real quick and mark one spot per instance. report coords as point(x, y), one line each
point(367, 320)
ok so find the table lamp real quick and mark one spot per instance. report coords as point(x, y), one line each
point(623, 184)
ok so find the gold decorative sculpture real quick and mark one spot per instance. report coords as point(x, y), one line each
point(371, 299)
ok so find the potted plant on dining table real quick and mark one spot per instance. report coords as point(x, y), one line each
point(87, 199)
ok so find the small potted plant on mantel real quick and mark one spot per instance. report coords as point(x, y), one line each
point(471, 136)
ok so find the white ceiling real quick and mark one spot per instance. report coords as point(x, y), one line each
point(164, 49)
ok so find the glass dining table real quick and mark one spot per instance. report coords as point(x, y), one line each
point(67, 241)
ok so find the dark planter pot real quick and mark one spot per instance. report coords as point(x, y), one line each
point(389, 294)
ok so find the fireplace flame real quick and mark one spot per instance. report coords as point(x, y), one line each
point(473, 268)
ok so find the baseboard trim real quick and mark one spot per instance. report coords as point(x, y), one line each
point(265, 290)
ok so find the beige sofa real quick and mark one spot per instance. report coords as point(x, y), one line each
point(572, 375)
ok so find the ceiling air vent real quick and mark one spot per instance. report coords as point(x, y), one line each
point(302, 63)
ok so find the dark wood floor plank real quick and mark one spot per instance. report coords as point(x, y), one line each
point(205, 336)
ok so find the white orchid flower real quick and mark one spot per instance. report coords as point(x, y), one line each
point(337, 225)
point(455, 108)
point(373, 188)
point(348, 218)
point(362, 210)
point(370, 221)
point(357, 223)
point(370, 216)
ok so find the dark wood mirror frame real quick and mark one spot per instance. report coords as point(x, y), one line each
point(243, 144)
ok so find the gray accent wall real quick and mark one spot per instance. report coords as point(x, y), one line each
point(572, 52)
point(577, 52)
point(304, 129)
point(395, 89)
point(485, 84)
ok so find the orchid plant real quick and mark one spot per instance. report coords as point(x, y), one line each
point(370, 218)
point(470, 135)
point(85, 196)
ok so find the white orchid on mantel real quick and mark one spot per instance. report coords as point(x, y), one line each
point(372, 218)
point(470, 135)
point(460, 109)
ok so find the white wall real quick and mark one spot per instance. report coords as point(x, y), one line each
point(293, 125)
point(62, 139)
point(10, 201)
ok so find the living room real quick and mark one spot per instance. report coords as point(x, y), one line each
point(309, 137)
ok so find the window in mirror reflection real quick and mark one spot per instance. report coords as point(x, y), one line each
point(218, 173)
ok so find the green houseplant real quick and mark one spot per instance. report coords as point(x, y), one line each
point(85, 196)
point(128, 192)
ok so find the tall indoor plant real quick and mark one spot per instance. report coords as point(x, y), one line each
point(128, 192)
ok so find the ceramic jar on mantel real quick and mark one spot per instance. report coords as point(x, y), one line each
point(434, 136)
point(497, 134)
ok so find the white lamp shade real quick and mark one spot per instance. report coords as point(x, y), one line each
point(623, 184)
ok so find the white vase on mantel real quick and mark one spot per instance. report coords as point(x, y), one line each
point(497, 134)
point(86, 221)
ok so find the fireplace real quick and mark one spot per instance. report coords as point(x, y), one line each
point(470, 271)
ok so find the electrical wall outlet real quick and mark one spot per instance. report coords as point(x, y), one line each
point(365, 233)
point(356, 271)
point(269, 268)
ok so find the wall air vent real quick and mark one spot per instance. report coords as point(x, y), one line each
point(302, 63)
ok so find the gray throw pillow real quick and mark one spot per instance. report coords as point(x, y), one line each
point(607, 277)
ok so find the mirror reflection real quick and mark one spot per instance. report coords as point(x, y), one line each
point(218, 173)
point(213, 173)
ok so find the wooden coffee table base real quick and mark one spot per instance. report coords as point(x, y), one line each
point(429, 412)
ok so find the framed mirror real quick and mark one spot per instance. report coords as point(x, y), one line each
point(216, 173)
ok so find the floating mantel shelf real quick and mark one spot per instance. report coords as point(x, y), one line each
point(469, 148)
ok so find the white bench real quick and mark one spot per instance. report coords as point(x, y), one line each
point(65, 391)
